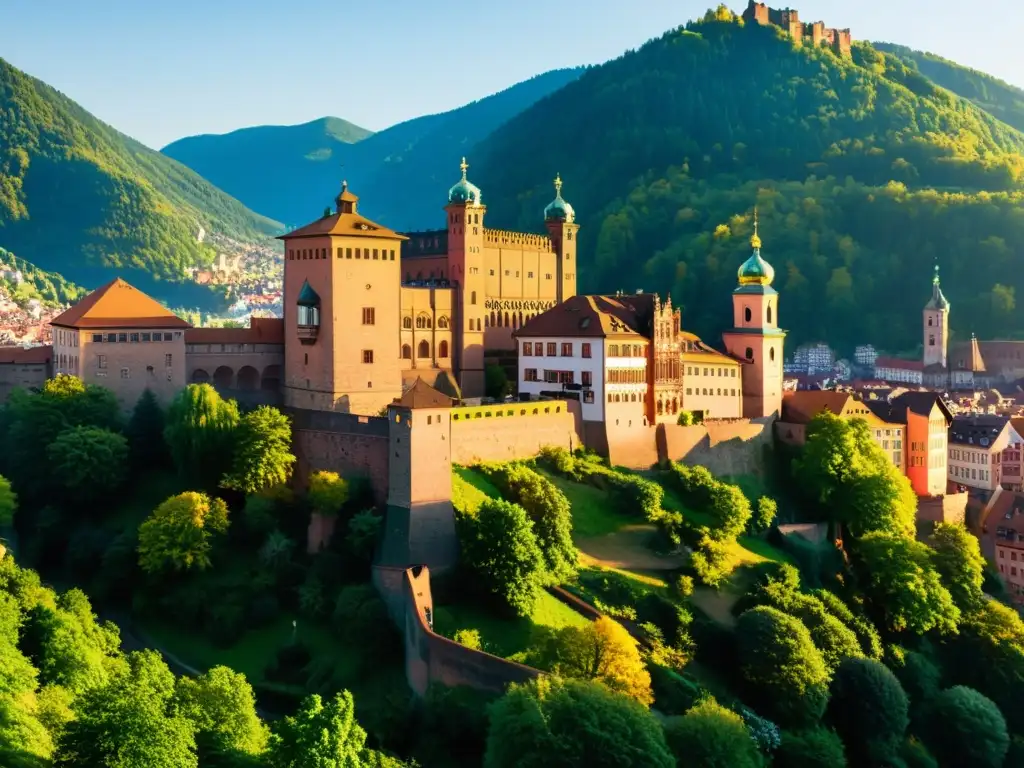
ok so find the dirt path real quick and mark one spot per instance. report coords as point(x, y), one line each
point(627, 549)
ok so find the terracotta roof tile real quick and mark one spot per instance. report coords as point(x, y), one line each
point(899, 364)
point(118, 305)
point(800, 407)
point(261, 330)
point(422, 395)
point(345, 221)
point(26, 355)
point(586, 317)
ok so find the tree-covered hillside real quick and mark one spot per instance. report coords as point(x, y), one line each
point(996, 96)
point(79, 198)
point(865, 172)
point(400, 174)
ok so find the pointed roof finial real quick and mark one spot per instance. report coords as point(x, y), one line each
point(755, 240)
point(464, 166)
point(936, 278)
point(558, 185)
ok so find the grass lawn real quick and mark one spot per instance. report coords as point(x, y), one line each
point(505, 636)
point(257, 647)
point(593, 513)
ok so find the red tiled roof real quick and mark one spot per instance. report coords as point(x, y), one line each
point(422, 395)
point(587, 317)
point(347, 223)
point(26, 355)
point(800, 407)
point(899, 364)
point(118, 305)
point(261, 330)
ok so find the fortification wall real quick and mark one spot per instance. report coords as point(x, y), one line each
point(429, 657)
point(729, 447)
point(348, 444)
point(513, 430)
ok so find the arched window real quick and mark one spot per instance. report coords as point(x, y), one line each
point(507, 323)
point(769, 313)
point(487, 322)
point(442, 349)
point(746, 314)
point(442, 322)
point(423, 350)
point(407, 322)
point(494, 320)
point(750, 353)
point(406, 352)
point(929, 322)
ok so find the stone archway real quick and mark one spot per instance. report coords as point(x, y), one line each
point(248, 378)
point(199, 376)
point(223, 378)
point(271, 379)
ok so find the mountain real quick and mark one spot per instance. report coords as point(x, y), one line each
point(995, 96)
point(81, 199)
point(291, 173)
point(267, 164)
point(865, 173)
point(48, 287)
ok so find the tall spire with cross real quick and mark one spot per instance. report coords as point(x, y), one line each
point(755, 240)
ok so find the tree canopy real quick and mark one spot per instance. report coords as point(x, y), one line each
point(262, 455)
point(179, 533)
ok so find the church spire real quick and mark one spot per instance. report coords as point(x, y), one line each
point(755, 240)
point(938, 300)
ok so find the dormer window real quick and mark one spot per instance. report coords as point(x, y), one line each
point(308, 314)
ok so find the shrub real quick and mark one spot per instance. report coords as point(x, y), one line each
point(642, 497)
point(812, 748)
point(674, 694)
point(671, 618)
point(868, 708)
point(764, 732)
point(558, 460)
point(469, 638)
point(711, 736)
point(683, 586)
point(361, 619)
point(966, 728)
point(915, 755)
point(712, 562)
point(867, 635)
point(764, 515)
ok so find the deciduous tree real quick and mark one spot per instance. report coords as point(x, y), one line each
point(262, 455)
point(88, 462)
point(318, 734)
point(869, 710)
point(221, 706)
point(146, 433)
point(573, 724)
point(959, 562)
point(8, 503)
point(179, 533)
point(812, 748)
point(711, 736)
point(200, 433)
point(966, 728)
point(327, 493)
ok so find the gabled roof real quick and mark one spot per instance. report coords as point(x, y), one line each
point(26, 355)
point(586, 317)
point(422, 395)
point(920, 403)
point(118, 305)
point(345, 221)
point(975, 428)
point(802, 406)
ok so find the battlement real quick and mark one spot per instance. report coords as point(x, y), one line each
point(526, 240)
point(505, 410)
point(788, 19)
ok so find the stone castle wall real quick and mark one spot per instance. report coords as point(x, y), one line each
point(429, 657)
point(513, 430)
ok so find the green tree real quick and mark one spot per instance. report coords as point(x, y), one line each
point(960, 563)
point(318, 734)
point(24, 740)
point(499, 545)
point(904, 585)
point(221, 706)
point(129, 722)
point(765, 514)
point(869, 710)
point(146, 433)
point(180, 531)
point(262, 455)
point(711, 736)
point(328, 492)
point(570, 724)
point(496, 383)
point(88, 462)
point(200, 433)
point(67, 651)
point(812, 748)
point(965, 728)
point(8, 503)
point(785, 673)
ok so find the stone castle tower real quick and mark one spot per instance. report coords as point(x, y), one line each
point(560, 220)
point(936, 325)
point(755, 336)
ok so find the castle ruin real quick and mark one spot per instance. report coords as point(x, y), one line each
point(839, 40)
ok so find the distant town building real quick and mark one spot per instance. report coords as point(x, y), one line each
point(897, 370)
point(865, 354)
point(927, 419)
point(976, 446)
point(843, 370)
point(813, 358)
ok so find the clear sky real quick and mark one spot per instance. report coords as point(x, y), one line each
point(159, 70)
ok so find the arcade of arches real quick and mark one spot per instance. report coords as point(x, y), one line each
point(245, 379)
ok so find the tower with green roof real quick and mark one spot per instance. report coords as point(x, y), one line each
point(755, 338)
point(560, 220)
point(936, 325)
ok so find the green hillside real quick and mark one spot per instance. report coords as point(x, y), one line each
point(79, 198)
point(49, 287)
point(996, 96)
point(865, 172)
point(401, 174)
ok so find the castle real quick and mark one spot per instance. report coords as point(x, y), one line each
point(839, 40)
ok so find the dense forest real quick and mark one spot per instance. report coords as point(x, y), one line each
point(49, 287)
point(80, 198)
point(866, 174)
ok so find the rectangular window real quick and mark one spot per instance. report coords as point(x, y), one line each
point(367, 356)
point(529, 275)
point(348, 253)
point(587, 378)
point(375, 254)
point(586, 349)
point(588, 396)
point(147, 337)
point(552, 351)
point(368, 316)
point(125, 373)
point(566, 377)
point(122, 337)
point(167, 337)
point(551, 377)
point(492, 273)
point(527, 348)
point(547, 277)
point(392, 256)
point(566, 349)
point(97, 337)
point(101, 361)
point(613, 350)
point(530, 374)
point(168, 361)
point(134, 338)
point(359, 253)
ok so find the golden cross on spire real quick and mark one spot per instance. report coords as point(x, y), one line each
point(755, 241)
point(558, 184)
point(464, 166)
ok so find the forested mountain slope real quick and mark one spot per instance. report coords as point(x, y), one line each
point(81, 199)
point(865, 172)
point(995, 96)
point(400, 173)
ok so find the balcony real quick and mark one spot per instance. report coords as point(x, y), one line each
point(307, 333)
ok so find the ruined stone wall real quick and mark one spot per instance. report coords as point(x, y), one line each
point(345, 443)
point(513, 430)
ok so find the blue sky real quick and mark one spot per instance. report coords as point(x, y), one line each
point(162, 69)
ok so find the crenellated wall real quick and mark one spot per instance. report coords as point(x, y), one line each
point(513, 430)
